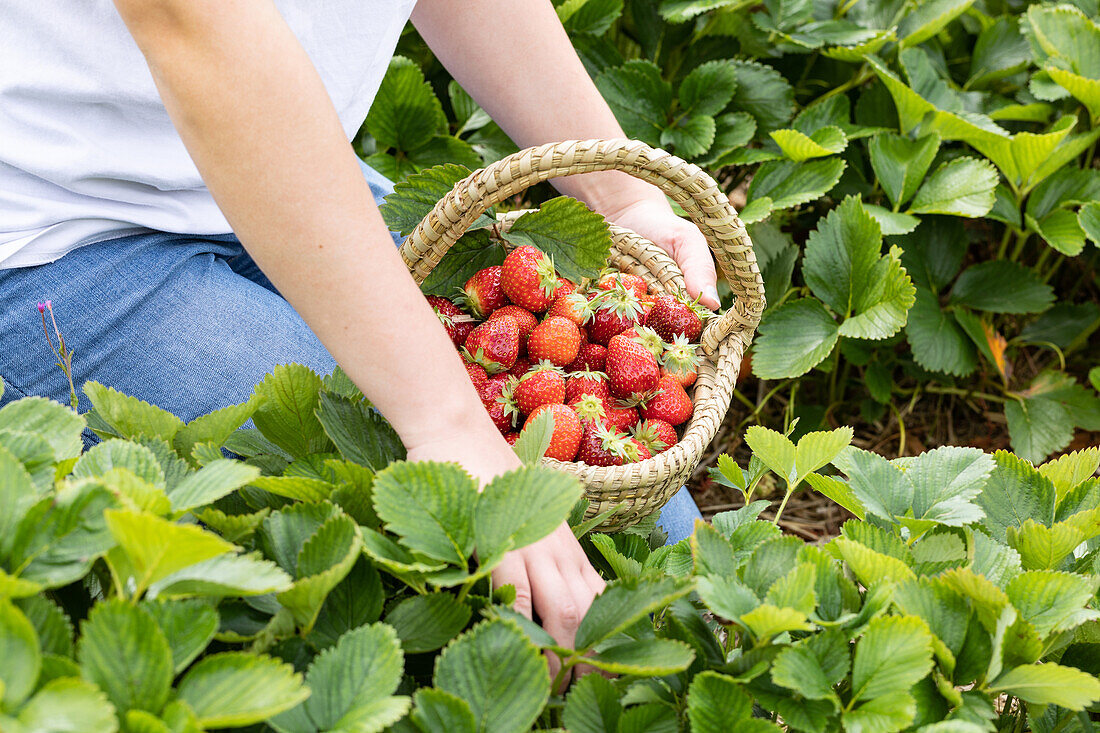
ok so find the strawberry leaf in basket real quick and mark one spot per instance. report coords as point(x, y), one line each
point(567, 230)
point(473, 252)
point(414, 198)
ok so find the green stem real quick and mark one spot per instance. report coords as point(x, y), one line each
point(1002, 250)
point(834, 376)
point(901, 429)
point(863, 75)
point(1021, 239)
point(964, 393)
point(743, 399)
point(783, 504)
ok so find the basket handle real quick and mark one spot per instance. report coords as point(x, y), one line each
point(687, 184)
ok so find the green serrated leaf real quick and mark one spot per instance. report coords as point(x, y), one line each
point(794, 338)
point(798, 146)
point(764, 93)
point(224, 575)
point(215, 427)
point(961, 187)
point(576, 237)
point(155, 548)
point(69, 704)
point(188, 626)
point(19, 650)
point(894, 654)
point(521, 507)
point(592, 706)
point(1050, 684)
point(406, 114)
point(429, 506)
point(285, 415)
point(708, 88)
point(639, 97)
point(129, 416)
point(210, 483)
point(900, 163)
point(623, 602)
point(929, 18)
point(124, 652)
point(789, 184)
point(236, 689)
point(649, 657)
point(426, 623)
point(690, 137)
point(499, 673)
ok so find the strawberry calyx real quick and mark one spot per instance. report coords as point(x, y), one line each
point(590, 408)
point(614, 442)
point(490, 366)
point(648, 338)
point(680, 355)
point(543, 365)
point(647, 434)
point(618, 301)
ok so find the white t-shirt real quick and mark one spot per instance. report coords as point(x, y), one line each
point(87, 150)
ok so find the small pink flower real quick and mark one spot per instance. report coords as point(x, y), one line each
point(49, 305)
point(41, 307)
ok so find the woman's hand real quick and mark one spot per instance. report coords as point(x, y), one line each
point(552, 577)
point(654, 219)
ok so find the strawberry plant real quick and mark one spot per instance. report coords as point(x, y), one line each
point(919, 180)
point(316, 581)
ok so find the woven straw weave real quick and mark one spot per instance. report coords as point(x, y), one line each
point(637, 489)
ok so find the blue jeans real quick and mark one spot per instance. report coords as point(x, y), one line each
point(186, 322)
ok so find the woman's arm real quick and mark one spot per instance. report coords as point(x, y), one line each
point(264, 134)
point(515, 59)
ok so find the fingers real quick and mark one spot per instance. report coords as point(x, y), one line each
point(513, 571)
point(690, 250)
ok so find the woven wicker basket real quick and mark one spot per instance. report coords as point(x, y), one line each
point(638, 489)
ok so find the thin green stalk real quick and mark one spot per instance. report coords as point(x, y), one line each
point(1002, 250)
point(863, 75)
point(901, 429)
point(964, 393)
point(1021, 239)
point(783, 504)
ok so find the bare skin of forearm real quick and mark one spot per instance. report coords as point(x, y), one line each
point(527, 76)
point(258, 123)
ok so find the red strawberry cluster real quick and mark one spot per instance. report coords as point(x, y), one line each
point(610, 361)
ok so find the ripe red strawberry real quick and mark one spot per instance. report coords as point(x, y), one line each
point(525, 319)
point(498, 396)
point(586, 382)
point(657, 435)
point(494, 387)
point(648, 338)
point(619, 416)
point(483, 293)
point(601, 446)
point(528, 278)
point(589, 356)
point(498, 413)
point(647, 308)
point(610, 280)
point(674, 315)
point(511, 437)
point(680, 361)
point(556, 340)
point(631, 368)
point(494, 344)
point(457, 322)
point(478, 375)
point(566, 437)
point(671, 403)
point(613, 311)
point(573, 306)
point(565, 287)
point(543, 385)
point(638, 451)
point(521, 367)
